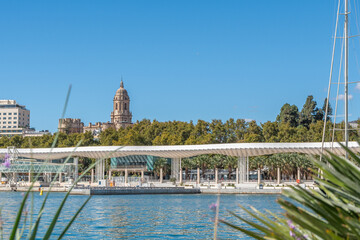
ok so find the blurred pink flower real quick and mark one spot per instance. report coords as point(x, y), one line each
point(6, 162)
point(213, 206)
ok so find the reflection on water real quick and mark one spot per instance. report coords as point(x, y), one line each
point(139, 216)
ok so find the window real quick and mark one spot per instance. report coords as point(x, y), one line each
point(9, 122)
point(4, 113)
point(125, 107)
point(4, 122)
point(4, 117)
point(10, 113)
point(9, 118)
point(4, 126)
point(116, 106)
point(15, 113)
point(9, 126)
point(14, 122)
point(15, 117)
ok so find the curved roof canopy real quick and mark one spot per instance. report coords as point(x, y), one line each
point(182, 151)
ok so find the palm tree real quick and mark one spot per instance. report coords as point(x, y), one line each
point(202, 161)
point(187, 163)
point(161, 165)
point(230, 162)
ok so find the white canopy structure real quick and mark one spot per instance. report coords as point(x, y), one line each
point(177, 152)
point(182, 151)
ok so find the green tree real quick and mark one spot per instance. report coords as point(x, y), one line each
point(308, 112)
point(330, 110)
point(289, 114)
point(270, 131)
point(254, 133)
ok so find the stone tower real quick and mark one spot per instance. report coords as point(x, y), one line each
point(121, 115)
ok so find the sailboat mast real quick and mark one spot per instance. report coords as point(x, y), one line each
point(346, 66)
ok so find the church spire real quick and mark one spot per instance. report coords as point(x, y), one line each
point(121, 83)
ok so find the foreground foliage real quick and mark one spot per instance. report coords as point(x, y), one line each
point(27, 223)
point(333, 212)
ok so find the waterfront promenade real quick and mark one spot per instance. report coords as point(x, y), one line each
point(84, 188)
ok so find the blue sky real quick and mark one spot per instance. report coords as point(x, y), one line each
point(180, 60)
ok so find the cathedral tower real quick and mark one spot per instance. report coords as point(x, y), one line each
point(121, 115)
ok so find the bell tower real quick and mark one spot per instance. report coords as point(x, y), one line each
point(121, 115)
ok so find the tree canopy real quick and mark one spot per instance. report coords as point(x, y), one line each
point(290, 126)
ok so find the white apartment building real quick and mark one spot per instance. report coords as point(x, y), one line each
point(14, 118)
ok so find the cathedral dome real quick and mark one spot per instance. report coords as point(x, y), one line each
point(121, 91)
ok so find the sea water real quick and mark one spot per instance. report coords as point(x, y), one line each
point(139, 216)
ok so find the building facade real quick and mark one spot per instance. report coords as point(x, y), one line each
point(70, 125)
point(121, 116)
point(14, 118)
point(98, 127)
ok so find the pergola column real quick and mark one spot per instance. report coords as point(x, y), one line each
point(247, 169)
point(92, 175)
point(237, 175)
point(161, 175)
point(142, 175)
point(298, 174)
point(198, 176)
point(216, 176)
point(29, 176)
point(175, 168)
point(109, 174)
point(242, 170)
point(60, 177)
point(99, 170)
point(180, 173)
point(259, 176)
point(278, 176)
point(126, 176)
point(76, 170)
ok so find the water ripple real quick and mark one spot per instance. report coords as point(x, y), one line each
point(139, 216)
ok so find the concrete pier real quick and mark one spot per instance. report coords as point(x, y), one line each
point(133, 190)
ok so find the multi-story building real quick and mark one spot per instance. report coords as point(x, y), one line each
point(14, 118)
point(121, 115)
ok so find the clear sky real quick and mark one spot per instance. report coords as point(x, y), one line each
point(180, 60)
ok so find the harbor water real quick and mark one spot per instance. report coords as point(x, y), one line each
point(139, 216)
